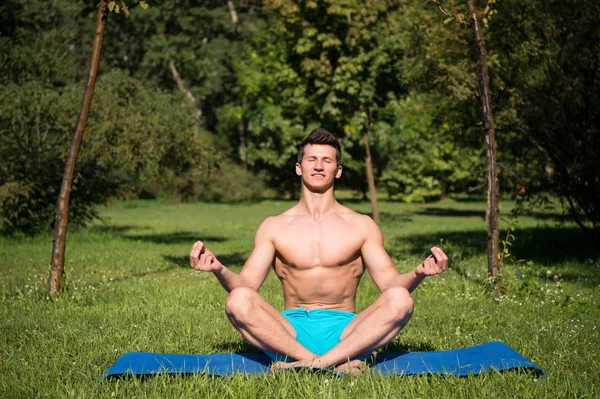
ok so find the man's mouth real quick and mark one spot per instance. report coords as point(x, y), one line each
point(318, 175)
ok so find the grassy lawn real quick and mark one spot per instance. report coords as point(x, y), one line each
point(129, 288)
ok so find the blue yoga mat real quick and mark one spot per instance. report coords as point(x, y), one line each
point(462, 362)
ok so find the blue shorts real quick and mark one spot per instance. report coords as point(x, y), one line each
point(318, 330)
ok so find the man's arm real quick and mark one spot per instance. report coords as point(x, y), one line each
point(255, 270)
point(382, 269)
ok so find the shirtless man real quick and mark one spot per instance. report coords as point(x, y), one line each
point(319, 250)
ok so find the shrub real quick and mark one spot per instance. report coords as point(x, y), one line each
point(135, 136)
point(231, 183)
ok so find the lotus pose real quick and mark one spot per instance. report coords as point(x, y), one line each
point(319, 249)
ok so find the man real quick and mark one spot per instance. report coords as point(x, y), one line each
point(319, 249)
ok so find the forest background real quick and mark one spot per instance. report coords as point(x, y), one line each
point(207, 100)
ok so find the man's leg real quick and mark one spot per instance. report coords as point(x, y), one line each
point(370, 329)
point(262, 325)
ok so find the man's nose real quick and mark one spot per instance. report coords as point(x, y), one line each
point(319, 165)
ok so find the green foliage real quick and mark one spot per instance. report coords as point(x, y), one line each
point(550, 76)
point(135, 135)
point(507, 240)
point(39, 45)
point(35, 124)
point(424, 163)
point(231, 184)
point(524, 279)
point(401, 72)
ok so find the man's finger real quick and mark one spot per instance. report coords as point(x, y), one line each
point(440, 257)
point(195, 253)
point(436, 254)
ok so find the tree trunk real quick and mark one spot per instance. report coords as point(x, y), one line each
point(234, 16)
point(492, 211)
point(242, 127)
point(187, 94)
point(371, 178)
point(62, 207)
point(243, 150)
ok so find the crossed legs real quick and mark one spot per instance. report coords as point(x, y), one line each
point(267, 329)
point(262, 325)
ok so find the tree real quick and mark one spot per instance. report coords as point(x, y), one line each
point(492, 209)
point(433, 164)
point(62, 207)
point(141, 137)
point(549, 77)
point(337, 50)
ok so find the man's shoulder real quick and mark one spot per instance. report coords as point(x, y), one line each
point(276, 221)
point(362, 225)
point(351, 216)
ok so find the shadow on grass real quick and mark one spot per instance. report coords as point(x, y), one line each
point(452, 212)
point(406, 347)
point(354, 200)
point(455, 212)
point(177, 237)
point(545, 246)
point(231, 260)
point(390, 217)
point(239, 346)
point(117, 230)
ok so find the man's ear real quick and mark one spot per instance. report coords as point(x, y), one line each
point(298, 169)
point(339, 172)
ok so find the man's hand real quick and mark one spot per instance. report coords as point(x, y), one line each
point(436, 263)
point(204, 260)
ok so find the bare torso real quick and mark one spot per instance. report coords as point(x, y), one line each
point(319, 261)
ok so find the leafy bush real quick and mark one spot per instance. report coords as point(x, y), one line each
point(231, 183)
point(420, 158)
point(135, 136)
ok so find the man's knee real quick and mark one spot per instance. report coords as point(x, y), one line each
point(399, 302)
point(238, 304)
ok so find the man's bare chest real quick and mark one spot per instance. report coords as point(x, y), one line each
point(309, 245)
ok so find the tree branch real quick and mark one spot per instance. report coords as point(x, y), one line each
point(134, 5)
point(187, 93)
point(487, 9)
point(32, 22)
point(443, 10)
point(234, 16)
point(457, 17)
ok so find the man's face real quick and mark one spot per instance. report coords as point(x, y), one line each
point(318, 168)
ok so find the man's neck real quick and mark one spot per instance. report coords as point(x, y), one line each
point(317, 204)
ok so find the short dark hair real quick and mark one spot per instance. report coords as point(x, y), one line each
point(323, 137)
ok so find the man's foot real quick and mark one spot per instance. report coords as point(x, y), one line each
point(353, 367)
point(276, 366)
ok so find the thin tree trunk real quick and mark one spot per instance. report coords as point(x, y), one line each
point(62, 207)
point(243, 149)
point(492, 211)
point(234, 16)
point(371, 178)
point(187, 94)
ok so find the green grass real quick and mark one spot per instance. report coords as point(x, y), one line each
point(129, 289)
